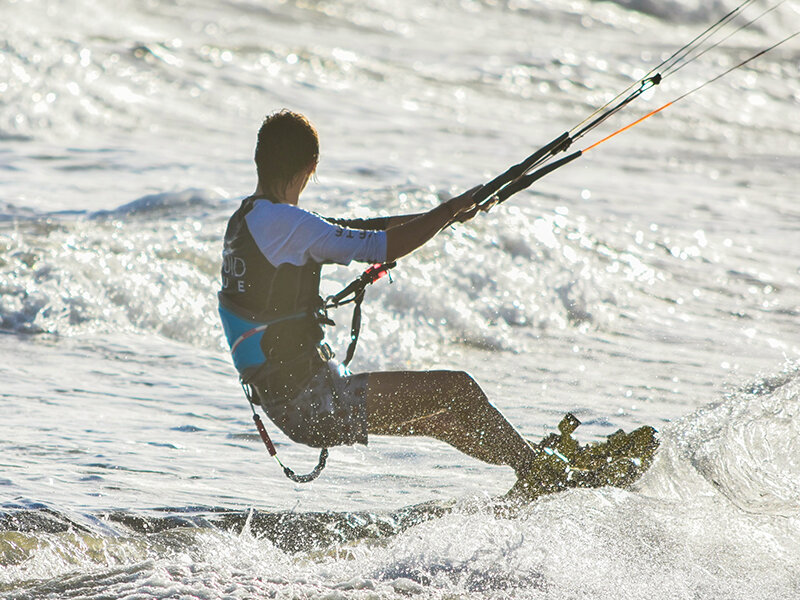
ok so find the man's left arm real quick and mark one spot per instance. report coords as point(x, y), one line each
point(376, 223)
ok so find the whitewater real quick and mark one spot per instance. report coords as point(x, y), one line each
point(655, 281)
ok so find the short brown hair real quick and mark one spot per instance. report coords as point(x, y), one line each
point(287, 145)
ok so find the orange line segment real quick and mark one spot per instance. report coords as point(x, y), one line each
point(650, 114)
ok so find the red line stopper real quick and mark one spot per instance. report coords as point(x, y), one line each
point(262, 431)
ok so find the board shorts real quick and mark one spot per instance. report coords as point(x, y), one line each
point(329, 410)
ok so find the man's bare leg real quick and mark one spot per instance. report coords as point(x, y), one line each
point(448, 406)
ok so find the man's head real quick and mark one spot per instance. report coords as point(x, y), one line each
point(287, 149)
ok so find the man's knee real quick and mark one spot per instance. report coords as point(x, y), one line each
point(462, 389)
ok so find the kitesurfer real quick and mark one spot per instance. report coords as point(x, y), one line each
point(270, 306)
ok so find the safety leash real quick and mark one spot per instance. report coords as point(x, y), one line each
point(262, 431)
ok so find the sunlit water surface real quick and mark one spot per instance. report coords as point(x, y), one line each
point(654, 281)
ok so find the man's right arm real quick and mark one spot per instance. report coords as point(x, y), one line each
point(411, 233)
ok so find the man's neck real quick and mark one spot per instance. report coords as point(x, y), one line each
point(290, 196)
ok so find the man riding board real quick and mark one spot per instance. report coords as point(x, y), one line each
point(273, 254)
point(273, 318)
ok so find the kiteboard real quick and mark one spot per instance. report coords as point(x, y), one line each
point(563, 463)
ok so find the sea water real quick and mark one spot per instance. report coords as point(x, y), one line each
point(654, 281)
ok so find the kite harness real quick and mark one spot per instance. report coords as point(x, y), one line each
point(244, 337)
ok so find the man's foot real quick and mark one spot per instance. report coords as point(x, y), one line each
point(562, 463)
